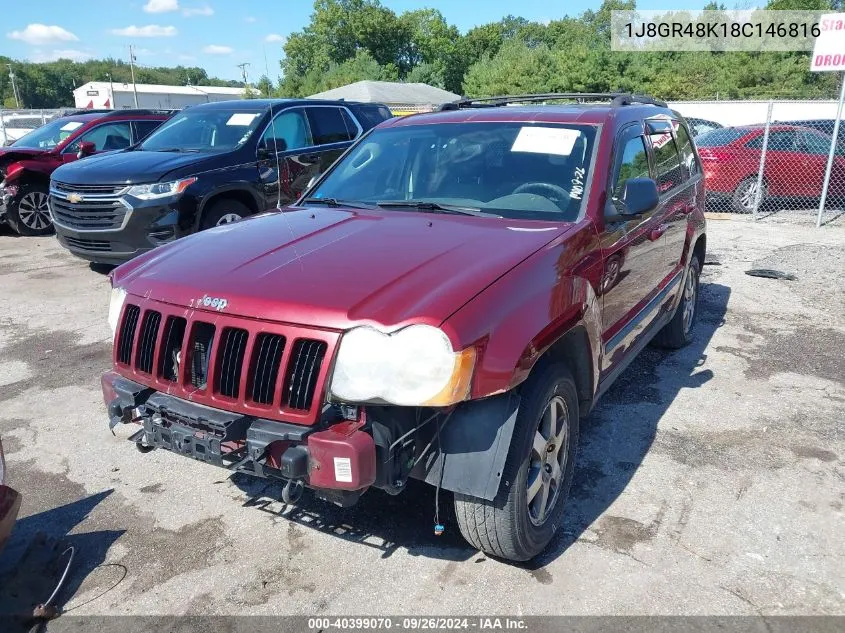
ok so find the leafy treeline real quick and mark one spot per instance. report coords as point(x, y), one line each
point(351, 40)
point(51, 84)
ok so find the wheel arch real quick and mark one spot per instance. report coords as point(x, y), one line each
point(239, 194)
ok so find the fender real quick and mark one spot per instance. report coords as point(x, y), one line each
point(240, 186)
point(23, 169)
point(513, 323)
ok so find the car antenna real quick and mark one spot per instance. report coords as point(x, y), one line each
point(279, 189)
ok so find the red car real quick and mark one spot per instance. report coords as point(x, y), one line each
point(26, 165)
point(445, 303)
point(796, 158)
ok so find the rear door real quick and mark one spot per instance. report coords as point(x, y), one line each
point(333, 129)
point(632, 251)
point(815, 148)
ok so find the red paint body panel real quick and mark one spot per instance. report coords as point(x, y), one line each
point(341, 457)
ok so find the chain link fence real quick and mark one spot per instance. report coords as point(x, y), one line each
point(15, 123)
point(763, 158)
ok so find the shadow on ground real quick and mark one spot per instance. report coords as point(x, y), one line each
point(613, 446)
point(32, 562)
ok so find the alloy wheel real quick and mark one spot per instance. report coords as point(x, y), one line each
point(748, 196)
point(33, 211)
point(547, 462)
point(228, 218)
point(690, 296)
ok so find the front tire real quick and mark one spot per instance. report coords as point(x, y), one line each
point(525, 515)
point(28, 213)
point(224, 212)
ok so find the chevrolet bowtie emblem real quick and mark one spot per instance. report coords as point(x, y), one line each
point(74, 197)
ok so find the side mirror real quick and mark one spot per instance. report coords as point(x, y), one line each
point(86, 148)
point(639, 196)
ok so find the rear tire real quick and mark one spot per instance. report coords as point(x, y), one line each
point(28, 213)
point(517, 525)
point(223, 212)
point(678, 332)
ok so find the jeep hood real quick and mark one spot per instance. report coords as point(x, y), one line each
point(336, 268)
point(129, 167)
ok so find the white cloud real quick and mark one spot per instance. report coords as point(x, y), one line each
point(42, 34)
point(203, 10)
point(62, 53)
point(150, 30)
point(215, 49)
point(249, 18)
point(161, 6)
point(275, 37)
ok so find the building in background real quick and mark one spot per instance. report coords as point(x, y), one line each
point(120, 96)
point(401, 98)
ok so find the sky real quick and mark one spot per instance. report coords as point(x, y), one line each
point(220, 34)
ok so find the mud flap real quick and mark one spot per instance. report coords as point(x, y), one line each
point(475, 443)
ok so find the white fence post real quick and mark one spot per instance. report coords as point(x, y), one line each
point(833, 143)
point(758, 194)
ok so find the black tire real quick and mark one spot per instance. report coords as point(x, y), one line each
point(678, 332)
point(220, 210)
point(27, 213)
point(744, 195)
point(503, 527)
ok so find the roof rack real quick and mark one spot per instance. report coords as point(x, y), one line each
point(136, 111)
point(616, 99)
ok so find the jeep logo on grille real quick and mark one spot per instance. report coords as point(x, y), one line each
point(218, 303)
point(74, 198)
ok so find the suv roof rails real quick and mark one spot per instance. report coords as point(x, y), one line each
point(616, 99)
point(135, 111)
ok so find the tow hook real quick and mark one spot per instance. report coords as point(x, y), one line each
point(292, 491)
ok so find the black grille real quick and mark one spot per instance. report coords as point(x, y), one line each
point(303, 370)
point(127, 333)
point(147, 341)
point(88, 245)
point(168, 362)
point(266, 358)
point(232, 352)
point(90, 215)
point(201, 354)
point(83, 189)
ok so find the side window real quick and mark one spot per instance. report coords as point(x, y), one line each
point(688, 159)
point(631, 163)
point(667, 166)
point(351, 126)
point(143, 128)
point(287, 131)
point(328, 126)
point(816, 143)
point(105, 138)
point(779, 141)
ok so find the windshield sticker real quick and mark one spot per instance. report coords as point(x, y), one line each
point(545, 140)
point(578, 183)
point(241, 118)
point(70, 126)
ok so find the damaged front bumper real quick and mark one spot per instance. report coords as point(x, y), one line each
point(336, 456)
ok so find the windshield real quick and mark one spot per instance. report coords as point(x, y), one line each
point(203, 130)
point(516, 170)
point(49, 135)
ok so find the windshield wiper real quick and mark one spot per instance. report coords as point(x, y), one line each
point(334, 203)
point(436, 207)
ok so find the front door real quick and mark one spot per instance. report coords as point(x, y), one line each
point(633, 254)
point(287, 134)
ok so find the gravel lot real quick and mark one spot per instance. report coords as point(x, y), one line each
point(710, 480)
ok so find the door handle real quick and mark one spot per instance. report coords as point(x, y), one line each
point(657, 232)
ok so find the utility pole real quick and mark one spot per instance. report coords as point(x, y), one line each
point(243, 73)
point(132, 70)
point(14, 86)
point(111, 92)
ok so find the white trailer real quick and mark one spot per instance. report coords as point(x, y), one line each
point(120, 96)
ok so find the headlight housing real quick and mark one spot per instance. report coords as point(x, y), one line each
point(415, 366)
point(158, 190)
point(116, 300)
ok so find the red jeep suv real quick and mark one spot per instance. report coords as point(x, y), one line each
point(444, 303)
point(26, 165)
